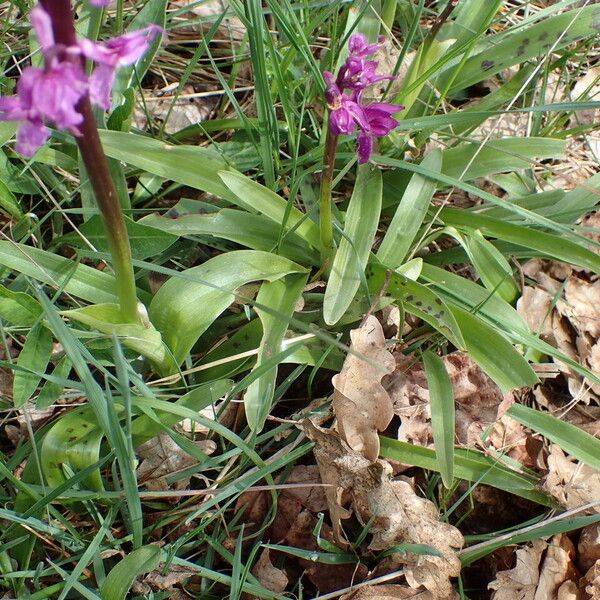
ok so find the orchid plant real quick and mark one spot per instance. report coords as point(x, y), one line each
point(61, 94)
point(350, 112)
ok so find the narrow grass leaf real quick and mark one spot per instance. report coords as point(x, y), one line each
point(570, 438)
point(469, 465)
point(360, 226)
point(441, 399)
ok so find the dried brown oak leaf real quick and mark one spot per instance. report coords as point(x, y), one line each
point(479, 406)
point(271, 578)
point(396, 513)
point(588, 546)
point(161, 457)
point(361, 404)
point(544, 571)
point(572, 483)
point(388, 592)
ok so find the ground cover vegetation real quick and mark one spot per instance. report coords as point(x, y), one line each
point(300, 299)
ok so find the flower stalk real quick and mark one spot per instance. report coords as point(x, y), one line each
point(96, 164)
point(350, 112)
point(325, 213)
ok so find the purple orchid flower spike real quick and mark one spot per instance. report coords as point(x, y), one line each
point(52, 94)
point(344, 93)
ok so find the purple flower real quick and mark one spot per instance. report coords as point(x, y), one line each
point(358, 45)
point(348, 111)
point(379, 123)
point(52, 94)
point(122, 51)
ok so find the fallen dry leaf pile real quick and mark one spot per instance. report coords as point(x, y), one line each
point(361, 485)
point(564, 308)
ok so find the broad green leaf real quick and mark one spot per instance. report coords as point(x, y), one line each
point(51, 390)
point(194, 166)
point(526, 44)
point(441, 400)
point(493, 352)
point(469, 465)
point(107, 319)
point(469, 161)
point(352, 255)
point(416, 299)
point(280, 297)
point(32, 362)
point(255, 197)
point(18, 308)
point(493, 269)
point(570, 438)
point(145, 241)
point(547, 244)
point(409, 215)
point(186, 305)
point(79, 280)
point(73, 441)
point(118, 582)
point(256, 232)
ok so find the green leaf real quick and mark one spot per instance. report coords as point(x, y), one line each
point(254, 197)
point(493, 269)
point(469, 465)
point(493, 352)
point(32, 362)
point(547, 244)
point(194, 166)
point(280, 297)
point(18, 308)
point(351, 257)
point(73, 441)
point(107, 319)
point(416, 299)
point(145, 241)
point(253, 231)
point(570, 438)
point(139, 562)
point(469, 161)
point(410, 214)
point(79, 280)
point(525, 44)
point(145, 427)
point(51, 390)
point(441, 399)
point(9, 203)
point(186, 305)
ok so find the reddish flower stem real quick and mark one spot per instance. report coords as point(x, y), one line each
point(98, 172)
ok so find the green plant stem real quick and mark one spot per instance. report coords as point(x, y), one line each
point(325, 217)
point(98, 172)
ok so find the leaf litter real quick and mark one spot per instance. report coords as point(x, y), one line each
point(361, 485)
